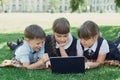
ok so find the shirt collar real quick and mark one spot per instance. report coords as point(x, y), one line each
point(68, 44)
point(93, 48)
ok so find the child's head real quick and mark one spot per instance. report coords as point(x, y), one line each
point(61, 26)
point(88, 33)
point(61, 29)
point(35, 36)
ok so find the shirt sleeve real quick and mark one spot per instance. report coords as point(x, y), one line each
point(79, 49)
point(104, 49)
point(22, 54)
point(24, 58)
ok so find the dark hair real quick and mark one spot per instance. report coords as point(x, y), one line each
point(34, 31)
point(61, 26)
point(88, 29)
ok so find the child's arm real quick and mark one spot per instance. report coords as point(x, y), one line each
point(11, 62)
point(62, 50)
point(40, 64)
point(100, 60)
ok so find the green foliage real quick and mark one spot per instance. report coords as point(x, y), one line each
point(54, 5)
point(117, 3)
point(100, 73)
point(74, 4)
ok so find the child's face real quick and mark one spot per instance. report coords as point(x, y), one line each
point(36, 44)
point(87, 43)
point(61, 38)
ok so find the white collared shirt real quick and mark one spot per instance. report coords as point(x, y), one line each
point(104, 49)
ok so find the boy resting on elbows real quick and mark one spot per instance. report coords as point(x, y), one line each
point(30, 54)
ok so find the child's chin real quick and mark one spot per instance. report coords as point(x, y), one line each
point(37, 50)
point(85, 46)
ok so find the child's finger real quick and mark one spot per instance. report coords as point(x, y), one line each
point(48, 64)
point(1, 65)
point(14, 62)
point(6, 61)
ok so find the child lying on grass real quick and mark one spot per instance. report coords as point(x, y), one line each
point(95, 48)
point(30, 54)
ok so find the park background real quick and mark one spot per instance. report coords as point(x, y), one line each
point(13, 23)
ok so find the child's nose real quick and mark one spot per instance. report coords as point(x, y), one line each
point(62, 39)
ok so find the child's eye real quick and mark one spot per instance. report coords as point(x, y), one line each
point(58, 36)
point(65, 36)
point(38, 43)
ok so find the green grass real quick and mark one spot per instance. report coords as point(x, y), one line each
point(100, 73)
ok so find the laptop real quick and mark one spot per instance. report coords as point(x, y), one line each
point(64, 65)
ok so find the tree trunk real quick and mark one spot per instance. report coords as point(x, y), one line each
point(1, 5)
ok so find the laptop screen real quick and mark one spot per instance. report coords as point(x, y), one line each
point(71, 64)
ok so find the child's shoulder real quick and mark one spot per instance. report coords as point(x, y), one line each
point(24, 46)
point(101, 39)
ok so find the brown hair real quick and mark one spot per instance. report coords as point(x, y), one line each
point(61, 26)
point(88, 29)
point(34, 31)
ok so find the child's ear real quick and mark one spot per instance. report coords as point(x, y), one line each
point(96, 36)
point(27, 40)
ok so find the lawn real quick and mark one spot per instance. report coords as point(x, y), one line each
point(100, 73)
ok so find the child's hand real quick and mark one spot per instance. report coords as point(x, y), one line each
point(65, 43)
point(48, 64)
point(11, 63)
point(45, 57)
point(87, 65)
point(7, 63)
point(16, 63)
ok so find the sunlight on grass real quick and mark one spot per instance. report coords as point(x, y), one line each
point(118, 78)
point(2, 45)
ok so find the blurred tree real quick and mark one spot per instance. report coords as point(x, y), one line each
point(74, 4)
point(2, 2)
point(54, 5)
point(117, 4)
point(1, 5)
